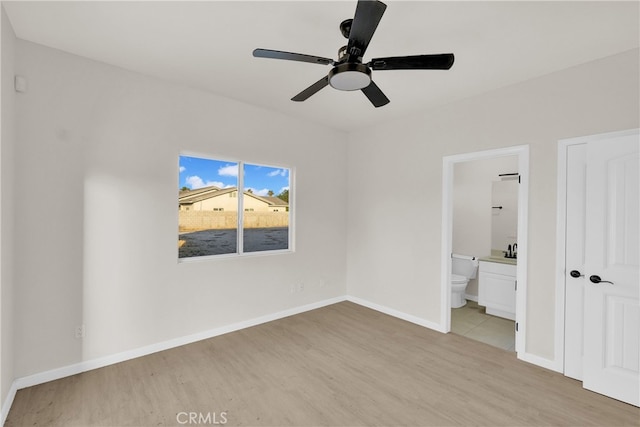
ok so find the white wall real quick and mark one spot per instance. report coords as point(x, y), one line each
point(7, 141)
point(95, 140)
point(393, 258)
point(472, 214)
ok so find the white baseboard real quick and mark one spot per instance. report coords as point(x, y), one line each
point(84, 366)
point(395, 313)
point(6, 405)
point(471, 297)
point(540, 361)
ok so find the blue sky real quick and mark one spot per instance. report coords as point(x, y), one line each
point(197, 172)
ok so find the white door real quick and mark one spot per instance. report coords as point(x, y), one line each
point(612, 262)
point(574, 260)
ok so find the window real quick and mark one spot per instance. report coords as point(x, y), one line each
point(209, 207)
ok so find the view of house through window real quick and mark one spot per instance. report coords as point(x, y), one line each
point(215, 218)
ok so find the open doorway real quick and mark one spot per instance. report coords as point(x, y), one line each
point(485, 240)
point(477, 242)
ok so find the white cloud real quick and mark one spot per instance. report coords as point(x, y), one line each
point(182, 169)
point(219, 184)
point(263, 192)
point(228, 170)
point(276, 172)
point(196, 182)
point(282, 189)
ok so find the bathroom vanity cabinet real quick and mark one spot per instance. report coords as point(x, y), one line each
point(497, 288)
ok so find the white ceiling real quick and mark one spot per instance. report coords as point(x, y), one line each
point(208, 45)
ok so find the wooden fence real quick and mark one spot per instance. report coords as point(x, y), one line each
point(208, 220)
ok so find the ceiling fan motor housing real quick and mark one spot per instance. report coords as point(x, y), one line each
point(350, 76)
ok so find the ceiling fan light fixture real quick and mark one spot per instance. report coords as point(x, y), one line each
point(350, 76)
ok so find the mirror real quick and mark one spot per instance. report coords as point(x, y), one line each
point(504, 215)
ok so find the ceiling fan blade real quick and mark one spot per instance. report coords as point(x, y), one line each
point(375, 95)
point(277, 54)
point(366, 20)
point(305, 94)
point(442, 61)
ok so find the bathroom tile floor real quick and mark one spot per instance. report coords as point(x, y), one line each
point(471, 321)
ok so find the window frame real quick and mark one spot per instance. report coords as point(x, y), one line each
point(240, 205)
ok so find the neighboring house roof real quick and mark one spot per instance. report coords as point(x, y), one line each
point(193, 196)
point(198, 196)
point(274, 201)
point(199, 190)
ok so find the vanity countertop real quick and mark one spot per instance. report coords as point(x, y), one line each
point(501, 260)
point(497, 256)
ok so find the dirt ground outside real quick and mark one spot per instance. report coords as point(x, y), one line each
point(217, 242)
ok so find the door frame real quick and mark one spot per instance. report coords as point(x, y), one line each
point(448, 164)
point(561, 230)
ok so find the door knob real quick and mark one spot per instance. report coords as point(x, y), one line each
point(597, 279)
point(576, 274)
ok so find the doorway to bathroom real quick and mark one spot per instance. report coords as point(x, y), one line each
point(485, 197)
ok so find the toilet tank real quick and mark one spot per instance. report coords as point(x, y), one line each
point(464, 265)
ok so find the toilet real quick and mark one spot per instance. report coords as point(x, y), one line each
point(463, 268)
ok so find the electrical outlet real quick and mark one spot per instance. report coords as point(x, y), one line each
point(80, 331)
point(296, 287)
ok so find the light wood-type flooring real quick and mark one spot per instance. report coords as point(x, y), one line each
point(341, 365)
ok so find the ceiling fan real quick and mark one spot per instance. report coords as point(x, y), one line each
point(349, 72)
